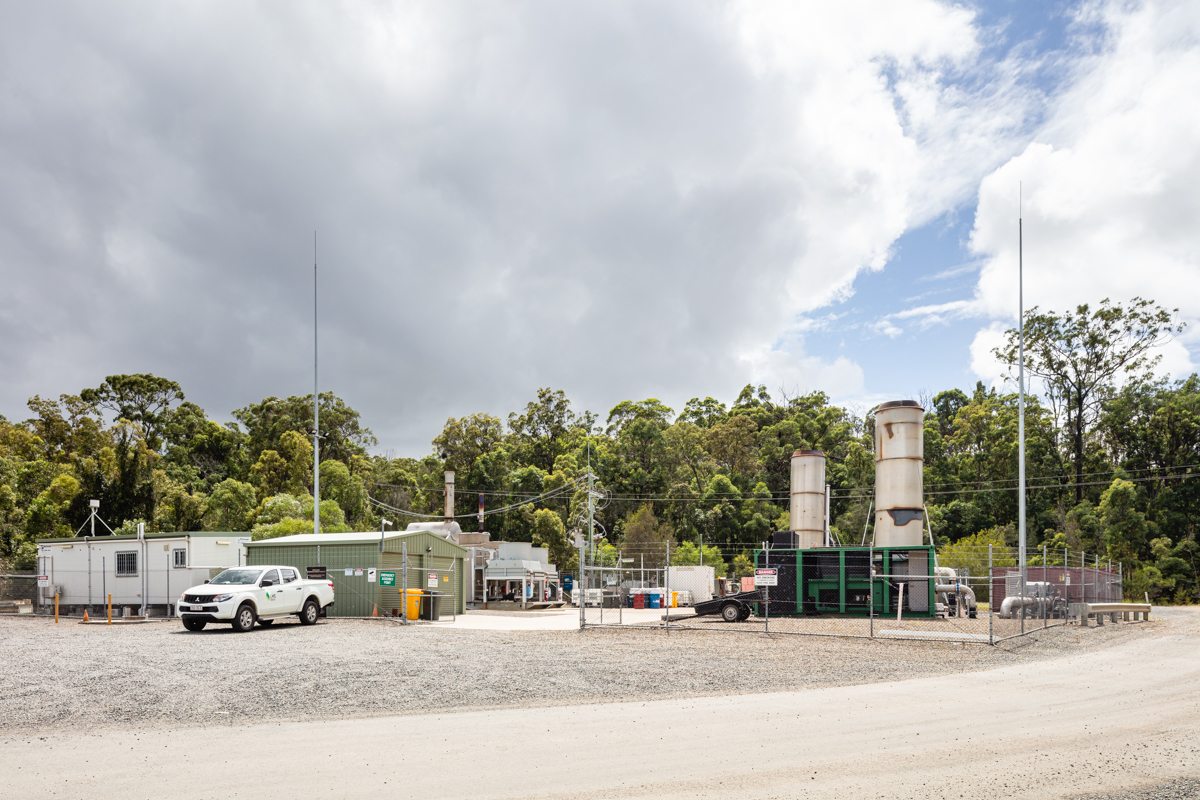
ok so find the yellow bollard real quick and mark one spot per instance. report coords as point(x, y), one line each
point(56, 608)
point(110, 609)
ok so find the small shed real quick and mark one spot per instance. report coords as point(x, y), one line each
point(367, 568)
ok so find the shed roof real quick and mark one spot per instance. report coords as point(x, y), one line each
point(356, 537)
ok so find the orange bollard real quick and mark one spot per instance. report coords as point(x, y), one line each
point(56, 608)
point(110, 609)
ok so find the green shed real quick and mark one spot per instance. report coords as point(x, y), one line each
point(366, 576)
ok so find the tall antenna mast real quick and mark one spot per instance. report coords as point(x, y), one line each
point(316, 407)
point(1021, 381)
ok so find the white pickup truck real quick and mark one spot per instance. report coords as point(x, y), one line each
point(245, 595)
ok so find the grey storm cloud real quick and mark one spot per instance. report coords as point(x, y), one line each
point(621, 200)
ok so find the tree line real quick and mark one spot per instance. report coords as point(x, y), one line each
point(1112, 457)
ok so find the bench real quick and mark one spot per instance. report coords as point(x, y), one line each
point(1085, 611)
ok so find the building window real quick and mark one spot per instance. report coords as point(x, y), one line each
point(180, 558)
point(127, 564)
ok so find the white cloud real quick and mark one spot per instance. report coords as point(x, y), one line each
point(886, 327)
point(620, 200)
point(1110, 183)
point(984, 363)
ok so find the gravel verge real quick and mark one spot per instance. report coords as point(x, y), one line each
point(95, 677)
point(1179, 789)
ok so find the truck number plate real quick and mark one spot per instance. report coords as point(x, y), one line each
point(195, 608)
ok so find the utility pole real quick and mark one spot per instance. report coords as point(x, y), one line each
point(1021, 389)
point(316, 407)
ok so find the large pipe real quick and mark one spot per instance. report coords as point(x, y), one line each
point(449, 496)
point(965, 594)
point(1040, 594)
point(899, 461)
point(808, 497)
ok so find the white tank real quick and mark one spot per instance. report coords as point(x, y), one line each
point(899, 461)
point(808, 497)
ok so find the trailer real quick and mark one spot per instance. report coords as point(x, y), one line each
point(733, 608)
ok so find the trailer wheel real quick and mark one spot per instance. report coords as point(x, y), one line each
point(745, 615)
point(730, 612)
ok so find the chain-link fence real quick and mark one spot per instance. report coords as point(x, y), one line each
point(961, 594)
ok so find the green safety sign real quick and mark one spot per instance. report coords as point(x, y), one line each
point(387, 579)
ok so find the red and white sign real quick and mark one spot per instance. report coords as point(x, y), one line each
point(766, 577)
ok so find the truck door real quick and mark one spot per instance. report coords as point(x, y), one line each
point(293, 590)
point(270, 594)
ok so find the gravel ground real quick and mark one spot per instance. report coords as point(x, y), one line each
point(1181, 789)
point(95, 677)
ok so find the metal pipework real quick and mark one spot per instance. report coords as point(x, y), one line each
point(948, 583)
point(899, 465)
point(449, 496)
point(808, 497)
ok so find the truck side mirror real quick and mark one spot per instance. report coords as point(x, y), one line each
point(206, 580)
point(268, 582)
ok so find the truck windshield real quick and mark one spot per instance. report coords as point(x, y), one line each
point(237, 576)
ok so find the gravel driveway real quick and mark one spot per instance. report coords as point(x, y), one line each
point(93, 677)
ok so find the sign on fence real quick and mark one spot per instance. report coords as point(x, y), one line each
point(370, 576)
point(766, 577)
point(432, 580)
point(316, 573)
point(43, 581)
point(387, 579)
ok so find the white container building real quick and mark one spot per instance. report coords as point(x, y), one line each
point(152, 570)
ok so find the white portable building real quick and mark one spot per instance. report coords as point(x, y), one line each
point(84, 570)
point(700, 581)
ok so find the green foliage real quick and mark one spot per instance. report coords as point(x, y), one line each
point(287, 517)
point(644, 537)
point(688, 555)
point(549, 532)
point(1124, 526)
point(342, 435)
point(230, 506)
point(142, 399)
point(717, 473)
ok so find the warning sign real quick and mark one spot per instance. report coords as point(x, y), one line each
point(766, 577)
point(433, 580)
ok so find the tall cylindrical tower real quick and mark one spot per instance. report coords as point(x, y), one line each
point(808, 497)
point(449, 496)
point(899, 462)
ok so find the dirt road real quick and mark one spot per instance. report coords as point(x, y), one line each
point(1120, 716)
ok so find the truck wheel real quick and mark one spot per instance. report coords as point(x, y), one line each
point(194, 624)
point(730, 612)
point(310, 613)
point(266, 622)
point(245, 619)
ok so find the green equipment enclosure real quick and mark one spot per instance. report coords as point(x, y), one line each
point(849, 580)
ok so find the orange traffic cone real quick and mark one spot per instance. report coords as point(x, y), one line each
point(85, 616)
point(375, 611)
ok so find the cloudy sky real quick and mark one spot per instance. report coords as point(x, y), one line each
point(619, 199)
